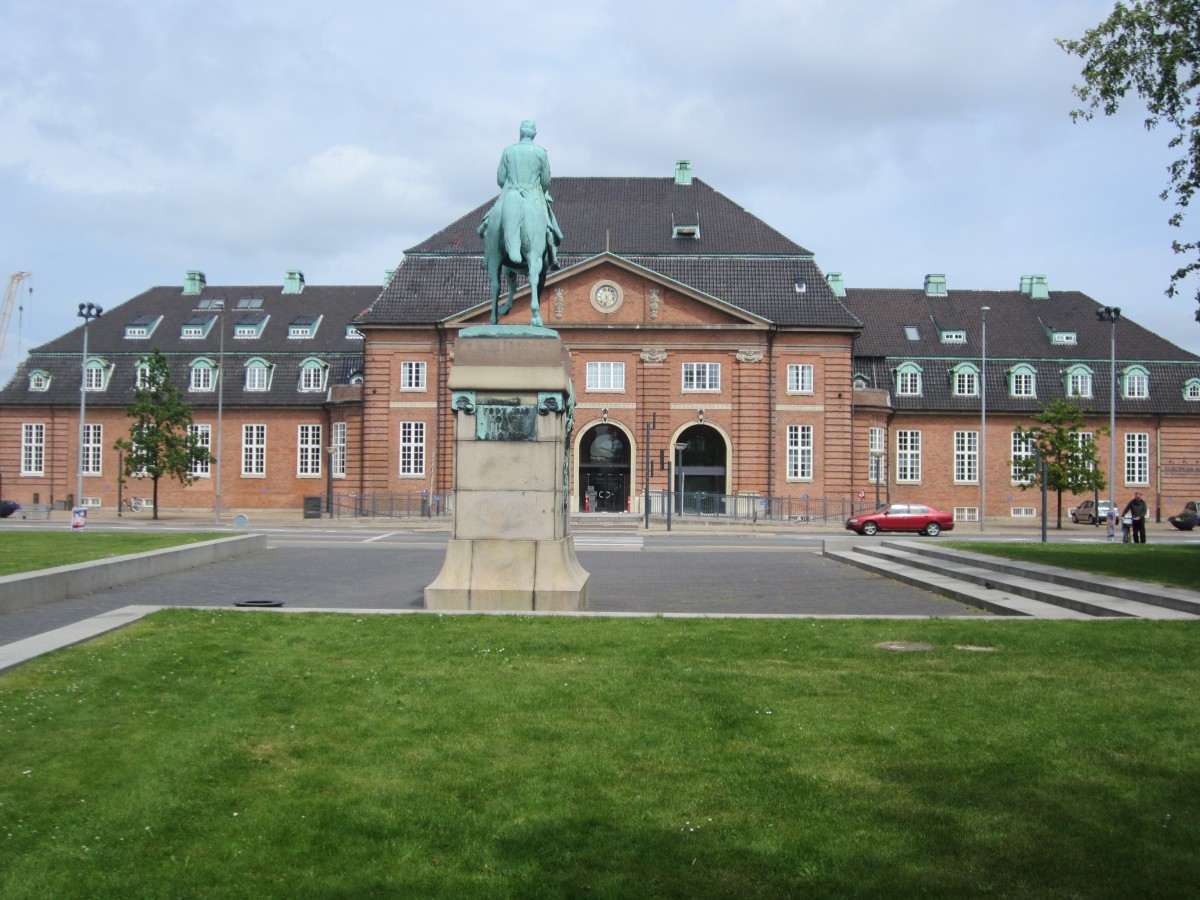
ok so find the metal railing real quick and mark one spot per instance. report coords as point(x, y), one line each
point(394, 506)
point(750, 508)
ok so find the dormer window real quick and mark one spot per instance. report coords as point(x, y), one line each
point(353, 334)
point(1191, 389)
point(203, 375)
point(1022, 381)
point(197, 327)
point(141, 376)
point(312, 375)
point(96, 374)
point(964, 380)
point(954, 337)
point(258, 375)
point(1078, 381)
point(1135, 383)
point(39, 380)
point(908, 380)
point(251, 327)
point(1063, 338)
point(142, 327)
point(304, 327)
point(250, 303)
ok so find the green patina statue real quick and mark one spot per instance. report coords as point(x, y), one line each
point(520, 232)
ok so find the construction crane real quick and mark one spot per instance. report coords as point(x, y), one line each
point(10, 300)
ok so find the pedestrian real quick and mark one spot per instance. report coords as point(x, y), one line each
point(1135, 514)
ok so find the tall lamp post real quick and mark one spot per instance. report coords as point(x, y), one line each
point(1111, 314)
point(220, 306)
point(983, 419)
point(87, 312)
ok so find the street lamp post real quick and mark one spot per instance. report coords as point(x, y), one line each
point(87, 312)
point(220, 305)
point(1111, 314)
point(983, 419)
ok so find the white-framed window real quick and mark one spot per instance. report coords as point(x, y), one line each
point(412, 375)
point(141, 378)
point(1079, 381)
point(1022, 381)
point(33, 448)
point(337, 463)
point(254, 451)
point(1137, 458)
point(908, 456)
point(799, 378)
point(258, 375)
point(95, 375)
point(908, 380)
point(412, 448)
point(1191, 389)
point(966, 514)
point(965, 380)
point(201, 437)
point(1022, 449)
point(606, 376)
point(308, 451)
point(251, 327)
point(1023, 512)
point(800, 452)
point(954, 337)
point(966, 457)
point(203, 375)
point(701, 376)
point(39, 380)
point(878, 448)
point(1083, 440)
point(1135, 383)
point(93, 444)
point(312, 375)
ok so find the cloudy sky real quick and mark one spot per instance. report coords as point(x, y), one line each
point(143, 138)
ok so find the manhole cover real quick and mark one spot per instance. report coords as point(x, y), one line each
point(904, 646)
point(261, 603)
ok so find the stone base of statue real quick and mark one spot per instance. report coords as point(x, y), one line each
point(513, 406)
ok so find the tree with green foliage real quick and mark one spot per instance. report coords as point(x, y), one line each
point(1151, 47)
point(1058, 441)
point(160, 439)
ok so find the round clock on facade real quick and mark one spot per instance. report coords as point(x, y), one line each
point(607, 296)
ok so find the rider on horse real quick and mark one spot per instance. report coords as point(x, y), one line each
point(524, 178)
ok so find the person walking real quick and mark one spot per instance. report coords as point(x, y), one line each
point(1136, 510)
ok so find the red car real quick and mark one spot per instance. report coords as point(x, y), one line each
point(903, 517)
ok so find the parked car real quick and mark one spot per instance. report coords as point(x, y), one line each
point(1189, 518)
point(1089, 513)
point(903, 517)
point(8, 507)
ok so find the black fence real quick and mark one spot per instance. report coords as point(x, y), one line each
point(395, 506)
point(748, 508)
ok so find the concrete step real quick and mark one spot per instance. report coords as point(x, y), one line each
point(1001, 602)
point(1170, 598)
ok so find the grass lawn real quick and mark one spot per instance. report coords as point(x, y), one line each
point(252, 754)
point(26, 551)
point(1173, 564)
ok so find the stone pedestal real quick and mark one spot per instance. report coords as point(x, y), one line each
point(513, 406)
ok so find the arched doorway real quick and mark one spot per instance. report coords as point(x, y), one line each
point(604, 469)
point(700, 473)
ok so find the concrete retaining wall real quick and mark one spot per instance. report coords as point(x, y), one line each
point(48, 585)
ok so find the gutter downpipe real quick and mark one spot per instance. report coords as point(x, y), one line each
point(771, 412)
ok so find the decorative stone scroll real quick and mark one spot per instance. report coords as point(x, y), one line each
point(654, 356)
point(749, 356)
point(654, 302)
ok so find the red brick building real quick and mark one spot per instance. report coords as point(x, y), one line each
point(682, 312)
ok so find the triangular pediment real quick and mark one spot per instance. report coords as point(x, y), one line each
point(610, 291)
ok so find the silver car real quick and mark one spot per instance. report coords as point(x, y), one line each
point(1088, 513)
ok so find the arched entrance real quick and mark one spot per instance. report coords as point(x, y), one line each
point(700, 466)
point(604, 469)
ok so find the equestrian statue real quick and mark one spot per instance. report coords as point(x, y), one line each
point(520, 232)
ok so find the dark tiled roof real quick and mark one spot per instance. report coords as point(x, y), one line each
point(633, 217)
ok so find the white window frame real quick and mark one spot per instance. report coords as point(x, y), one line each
point(606, 376)
point(308, 451)
point(908, 381)
point(202, 378)
point(258, 377)
point(908, 456)
point(33, 448)
point(202, 436)
point(1079, 382)
point(966, 457)
point(412, 375)
point(39, 381)
point(799, 453)
point(1191, 389)
point(800, 378)
point(1135, 383)
point(412, 449)
point(1137, 458)
point(337, 463)
point(966, 381)
point(1021, 448)
point(877, 446)
point(93, 446)
point(701, 377)
point(254, 451)
point(95, 375)
point(1084, 439)
point(312, 376)
point(966, 514)
point(1022, 382)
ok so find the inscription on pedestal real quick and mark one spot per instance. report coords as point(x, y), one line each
point(500, 420)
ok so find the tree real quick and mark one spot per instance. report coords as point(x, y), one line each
point(1151, 47)
point(1057, 440)
point(160, 439)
